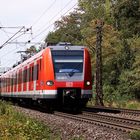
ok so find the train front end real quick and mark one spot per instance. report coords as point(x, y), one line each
point(72, 79)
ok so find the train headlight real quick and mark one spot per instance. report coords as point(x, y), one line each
point(88, 83)
point(50, 83)
point(66, 48)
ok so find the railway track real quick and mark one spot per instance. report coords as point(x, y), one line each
point(113, 110)
point(120, 124)
point(112, 122)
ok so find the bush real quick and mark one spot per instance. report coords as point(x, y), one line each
point(15, 126)
point(135, 135)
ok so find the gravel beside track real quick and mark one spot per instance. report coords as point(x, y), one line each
point(117, 112)
point(69, 128)
point(123, 115)
point(126, 113)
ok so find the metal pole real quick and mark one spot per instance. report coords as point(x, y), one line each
point(11, 37)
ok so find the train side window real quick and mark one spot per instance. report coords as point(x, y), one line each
point(37, 71)
point(28, 75)
point(40, 63)
point(12, 80)
point(32, 73)
point(19, 78)
point(3, 82)
point(25, 75)
point(16, 78)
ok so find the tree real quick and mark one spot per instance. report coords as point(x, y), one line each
point(127, 16)
point(67, 30)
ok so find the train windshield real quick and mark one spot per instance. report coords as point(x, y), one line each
point(68, 65)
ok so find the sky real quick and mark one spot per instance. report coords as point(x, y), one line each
point(36, 15)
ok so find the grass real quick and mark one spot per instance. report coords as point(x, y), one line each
point(133, 105)
point(121, 103)
point(135, 135)
point(15, 126)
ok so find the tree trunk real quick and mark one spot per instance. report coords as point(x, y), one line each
point(99, 90)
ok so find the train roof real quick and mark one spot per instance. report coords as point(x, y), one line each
point(66, 47)
point(25, 62)
point(39, 54)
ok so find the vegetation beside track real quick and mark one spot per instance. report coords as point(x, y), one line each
point(135, 135)
point(119, 103)
point(15, 126)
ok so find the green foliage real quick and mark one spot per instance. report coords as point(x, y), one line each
point(135, 135)
point(15, 126)
point(127, 15)
point(67, 30)
point(133, 105)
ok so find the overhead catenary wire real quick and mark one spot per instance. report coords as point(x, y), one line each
point(11, 37)
point(4, 30)
point(19, 31)
point(53, 23)
point(55, 15)
point(38, 20)
point(13, 50)
point(46, 10)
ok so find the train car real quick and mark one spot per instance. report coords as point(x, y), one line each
point(57, 76)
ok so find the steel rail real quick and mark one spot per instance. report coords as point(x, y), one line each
point(99, 122)
point(111, 109)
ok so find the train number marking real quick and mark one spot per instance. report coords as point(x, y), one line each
point(69, 84)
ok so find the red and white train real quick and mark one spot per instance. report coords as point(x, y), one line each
point(58, 75)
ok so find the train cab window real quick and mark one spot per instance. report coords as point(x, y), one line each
point(68, 64)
